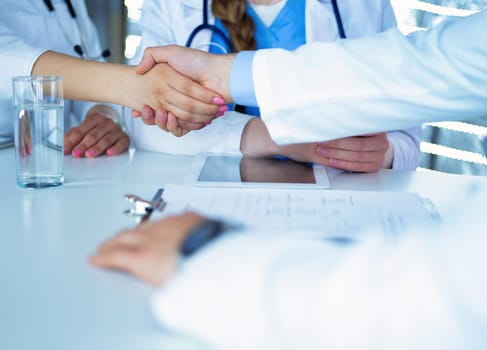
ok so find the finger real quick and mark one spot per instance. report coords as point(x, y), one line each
point(353, 166)
point(78, 151)
point(107, 141)
point(153, 55)
point(161, 119)
point(184, 114)
point(173, 126)
point(119, 147)
point(75, 136)
point(114, 257)
point(71, 139)
point(148, 115)
point(191, 125)
point(126, 237)
point(182, 126)
point(351, 156)
point(146, 63)
point(94, 136)
point(188, 87)
point(359, 143)
point(190, 96)
point(28, 143)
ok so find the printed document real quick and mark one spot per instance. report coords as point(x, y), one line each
point(322, 212)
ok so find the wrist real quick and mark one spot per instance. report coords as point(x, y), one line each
point(106, 111)
point(222, 70)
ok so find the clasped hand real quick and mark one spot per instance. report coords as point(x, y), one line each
point(195, 88)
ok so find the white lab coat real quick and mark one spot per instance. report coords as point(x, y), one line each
point(379, 83)
point(252, 290)
point(427, 291)
point(27, 29)
point(172, 21)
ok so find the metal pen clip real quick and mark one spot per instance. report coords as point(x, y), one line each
point(143, 209)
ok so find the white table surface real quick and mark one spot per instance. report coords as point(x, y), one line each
point(51, 298)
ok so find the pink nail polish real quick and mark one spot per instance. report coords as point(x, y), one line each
point(218, 100)
point(223, 108)
point(90, 153)
point(111, 152)
point(76, 153)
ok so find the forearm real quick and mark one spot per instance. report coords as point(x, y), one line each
point(359, 290)
point(256, 140)
point(89, 80)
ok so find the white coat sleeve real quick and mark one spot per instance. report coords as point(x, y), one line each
point(405, 145)
point(405, 142)
point(385, 82)
point(222, 136)
point(257, 291)
point(16, 58)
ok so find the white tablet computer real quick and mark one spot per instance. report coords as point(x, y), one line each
point(227, 170)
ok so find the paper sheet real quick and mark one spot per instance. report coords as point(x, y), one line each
point(323, 212)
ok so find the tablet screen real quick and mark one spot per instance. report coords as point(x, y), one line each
point(222, 170)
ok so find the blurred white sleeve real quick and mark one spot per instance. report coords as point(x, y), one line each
point(251, 291)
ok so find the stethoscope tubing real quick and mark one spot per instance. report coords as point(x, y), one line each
point(208, 26)
point(81, 49)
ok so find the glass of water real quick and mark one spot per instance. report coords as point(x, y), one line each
point(39, 130)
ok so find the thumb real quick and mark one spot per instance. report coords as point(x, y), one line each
point(152, 56)
point(145, 64)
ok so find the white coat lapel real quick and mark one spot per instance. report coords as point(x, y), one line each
point(190, 15)
point(320, 21)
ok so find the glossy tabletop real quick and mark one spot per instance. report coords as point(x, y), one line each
point(51, 298)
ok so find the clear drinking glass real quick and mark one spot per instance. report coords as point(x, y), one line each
point(39, 130)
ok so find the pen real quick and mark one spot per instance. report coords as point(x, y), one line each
point(158, 203)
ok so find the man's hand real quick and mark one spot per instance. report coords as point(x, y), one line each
point(212, 71)
point(96, 135)
point(162, 86)
point(150, 251)
point(366, 153)
point(360, 153)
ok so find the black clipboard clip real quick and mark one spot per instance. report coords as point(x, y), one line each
point(142, 209)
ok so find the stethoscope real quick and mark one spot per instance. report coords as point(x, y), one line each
point(207, 26)
point(81, 48)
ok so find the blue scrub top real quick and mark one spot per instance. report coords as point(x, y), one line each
point(288, 32)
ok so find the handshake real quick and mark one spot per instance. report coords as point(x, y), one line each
point(192, 88)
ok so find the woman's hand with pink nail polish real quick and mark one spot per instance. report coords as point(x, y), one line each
point(95, 136)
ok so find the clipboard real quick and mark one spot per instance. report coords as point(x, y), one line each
point(142, 209)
